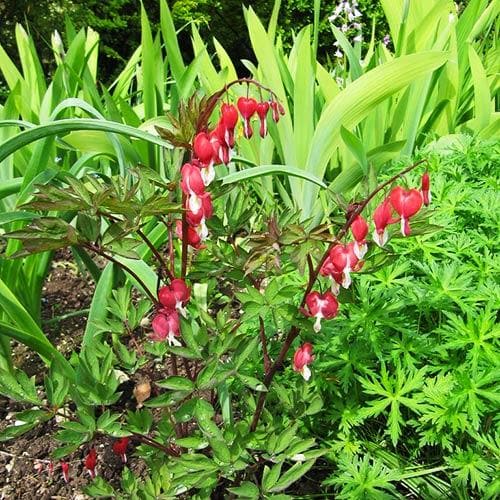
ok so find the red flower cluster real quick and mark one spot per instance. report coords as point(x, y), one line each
point(248, 107)
point(212, 148)
point(344, 259)
point(172, 298)
point(406, 203)
point(341, 261)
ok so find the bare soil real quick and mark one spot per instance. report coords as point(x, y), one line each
point(65, 291)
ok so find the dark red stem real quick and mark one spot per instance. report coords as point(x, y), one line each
point(184, 239)
point(157, 254)
point(100, 252)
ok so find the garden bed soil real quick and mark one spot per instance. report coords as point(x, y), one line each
point(65, 291)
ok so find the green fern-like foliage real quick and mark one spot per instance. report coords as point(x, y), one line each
point(414, 354)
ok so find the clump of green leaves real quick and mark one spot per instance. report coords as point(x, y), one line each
point(410, 369)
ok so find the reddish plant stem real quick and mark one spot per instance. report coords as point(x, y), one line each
point(214, 98)
point(173, 358)
point(294, 330)
point(150, 442)
point(263, 340)
point(171, 255)
point(184, 254)
point(159, 258)
point(100, 252)
point(187, 368)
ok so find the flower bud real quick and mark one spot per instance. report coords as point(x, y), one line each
point(262, 109)
point(275, 111)
point(426, 185)
point(302, 358)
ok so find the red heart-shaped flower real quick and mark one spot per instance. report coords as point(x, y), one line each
point(406, 203)
point(247, 106)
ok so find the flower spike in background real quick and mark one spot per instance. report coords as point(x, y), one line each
point(65, 471)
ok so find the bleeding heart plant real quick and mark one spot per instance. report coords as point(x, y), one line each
point(219, 319)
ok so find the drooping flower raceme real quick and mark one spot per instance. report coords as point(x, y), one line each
point(302, 358)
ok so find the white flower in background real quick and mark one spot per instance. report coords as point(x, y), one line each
point(387, 40)
point(345, 16)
